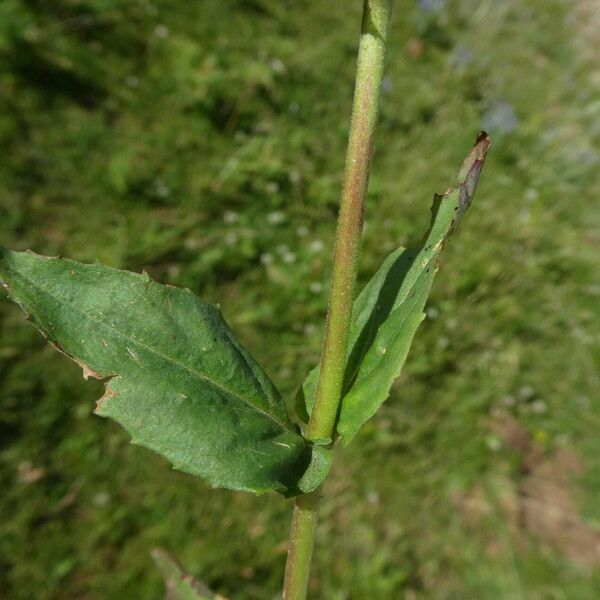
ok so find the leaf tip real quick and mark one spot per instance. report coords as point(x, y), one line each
point(467, 180)
point(473, 163)
point(470, 171)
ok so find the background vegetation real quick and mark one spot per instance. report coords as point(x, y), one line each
point(204, 142)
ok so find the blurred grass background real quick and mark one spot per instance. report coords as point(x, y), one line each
point(204, 142)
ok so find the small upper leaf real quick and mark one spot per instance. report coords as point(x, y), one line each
point(386, 314)
point(178, 380)
point(179, 584)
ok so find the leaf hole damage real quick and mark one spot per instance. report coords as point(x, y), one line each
point(108, 394)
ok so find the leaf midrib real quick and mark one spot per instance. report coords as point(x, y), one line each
point(200, 375)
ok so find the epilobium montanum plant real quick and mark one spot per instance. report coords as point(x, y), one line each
point(182, 385)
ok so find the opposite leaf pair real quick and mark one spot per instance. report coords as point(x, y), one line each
point(182, 385)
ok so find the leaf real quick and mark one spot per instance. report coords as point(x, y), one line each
point(388, 311)
point(318, 469)
point(177, 379)
point(179, 585)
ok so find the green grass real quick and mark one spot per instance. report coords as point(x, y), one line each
point(204, 142)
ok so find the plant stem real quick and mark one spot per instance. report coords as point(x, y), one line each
point(369, 76)
point(302, 539)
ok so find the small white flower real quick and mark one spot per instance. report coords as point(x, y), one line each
point(526, 392)
point(266, 259)
point(230, 217)
point(509, 401)
point(451, 324)
point(161, 31)
point(309, 329)
point(101, 499)
point(432, 313)
point(277, 65)
point(531, 195)
point(192, 243)
point(162, 189)
point(275, 218)
point(494, 443)
point(538, 407)
point(316, 246)
point(373, 498)
point(272, 187)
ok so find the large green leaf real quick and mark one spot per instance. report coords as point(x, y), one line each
point(178, 380)
point(179, 584)
point(388, 311)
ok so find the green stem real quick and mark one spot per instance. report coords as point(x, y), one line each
point(350, 221)
point(369, 76)
point(302, 536)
